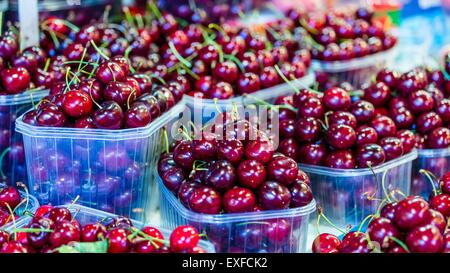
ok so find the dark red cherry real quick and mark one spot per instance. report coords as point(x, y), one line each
point(76, 104)
point(238, 200)
point(384, 126)
point(363, 111)
point(109, 116)
point(336, 99)
point(301, 194)
point(251, 174)
point(341, 136)
point(366, 135)
point(392, 146)
point(370, 155)
point(439, 138)
point(381, 230)
point(425, 239)
point(326, 243)
point(221, 175)
point(411, 212)
point(273, 195)
point(340, 160)
point(205, 200)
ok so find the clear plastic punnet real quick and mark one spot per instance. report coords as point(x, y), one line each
point(12, 159)
point(436, 161)
point(208, 108)
point(85, 215)
point(348, 196)
point(356, 71)
point(109, 170)
point(251, 232)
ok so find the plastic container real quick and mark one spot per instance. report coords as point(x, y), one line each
point(29, 206)
point(242, 232)
point(208, 109)
point(85, 215)
point(108, 169)
point(356, 71)
point(348, 196)
point(12, 158)
point(437, 162)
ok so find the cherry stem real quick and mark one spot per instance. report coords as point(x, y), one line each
point(236, 61)
point(368, 218)
point(330, 223)
point(305, 25)
point(184, 133)
point(34, 230)
point(1, 22)
point(99, 51)
point(129, 97)
point(383, 186)
point(220, 30)
point(82, 58)
point(166, 140)
point(190, 72)
point(54, 38)
point(13, 219)
point(2, 156)
point(128, 17)
point(92, 98)
point(155, 10)
point(400, 243)
point(27, 195)
point(177, 55)
point(75, 214)
point(380, 207)
point(430, 177)
point(106, 14)
point(73, 202)
point(47, 64)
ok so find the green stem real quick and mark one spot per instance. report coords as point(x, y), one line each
point(236, 61)
point(400, 243)
point(331, 223)
point(220, 30)
point(99, 51)
point(368, 218)
point(178, 56)
point(428, 175)
point(383, 186)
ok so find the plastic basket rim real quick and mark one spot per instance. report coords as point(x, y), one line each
point(232, 217)
point(353, 64)
point(76, 208)
point(98, 134)
point(307, 80)
point(326, 171)
point(434, 152)
point(23, 98)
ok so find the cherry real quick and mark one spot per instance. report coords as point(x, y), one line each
point(110, 72)
point(326, 243)
point(441, 203)
point(381, 230)
point(341, 136)
point(392, 146)
point(282, 169)
point(183, 237)
point(208, 54)
point(205, 200)
point(444, 183)
point(342, 117)
point(420, 101)
point(92, 87)
point(221, 91)
point(273, 195)
point(388, 77)
point(340, 160)
point(64, 233)
point(251, 173)
point(183, 154)
point(152, 104)
point(370, 155)
point(13, 247)
point(439, 138)
point(93, 232)
point(437, 219)
point(15, 79)
point(307, 129)
point(366, 135)
point(231, 150)
point(50, 116)
point(248, 83)
point(425, 239)
point(384, 126)
point(41, 238)
point(442, 108)
point(427, 122)
point(118, 241)
point(301, 193)
point(9, 196)
point(8, 46)
point(354, 242)
point(221, 175)
point(109, 116)
point(336, 99)
point(326, 36)
point(363, 111)
point(226, 71)
point(42, 211)
point(76, 104)
point(238, 200)
point(25, 60)
point(59, 214)
point(259, 150)
point(313, 153)
point(312, 107)
point(411, 212)
point(120, 92)
point(138, 115)
point(402, 117)
point(186, 189)
point(289, 147)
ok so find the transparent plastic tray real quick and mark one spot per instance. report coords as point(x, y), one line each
point(437, 162)
point(348, 196)
point(85, 215)
point(208, 108)
point(241, 232)
point(111, 170)
point(12, 159)
point(356, 71)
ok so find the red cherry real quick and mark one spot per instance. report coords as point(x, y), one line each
point(184, 237)
point(76, 104)
point(326, 243)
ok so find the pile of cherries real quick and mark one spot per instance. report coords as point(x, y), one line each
point(9, 199)
point(418, 100)
point(227, 61)
point(239, 174)
point(112, 98)
point(410, 225)
point(343, 35)
point(51, 229)
point(329, 129)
